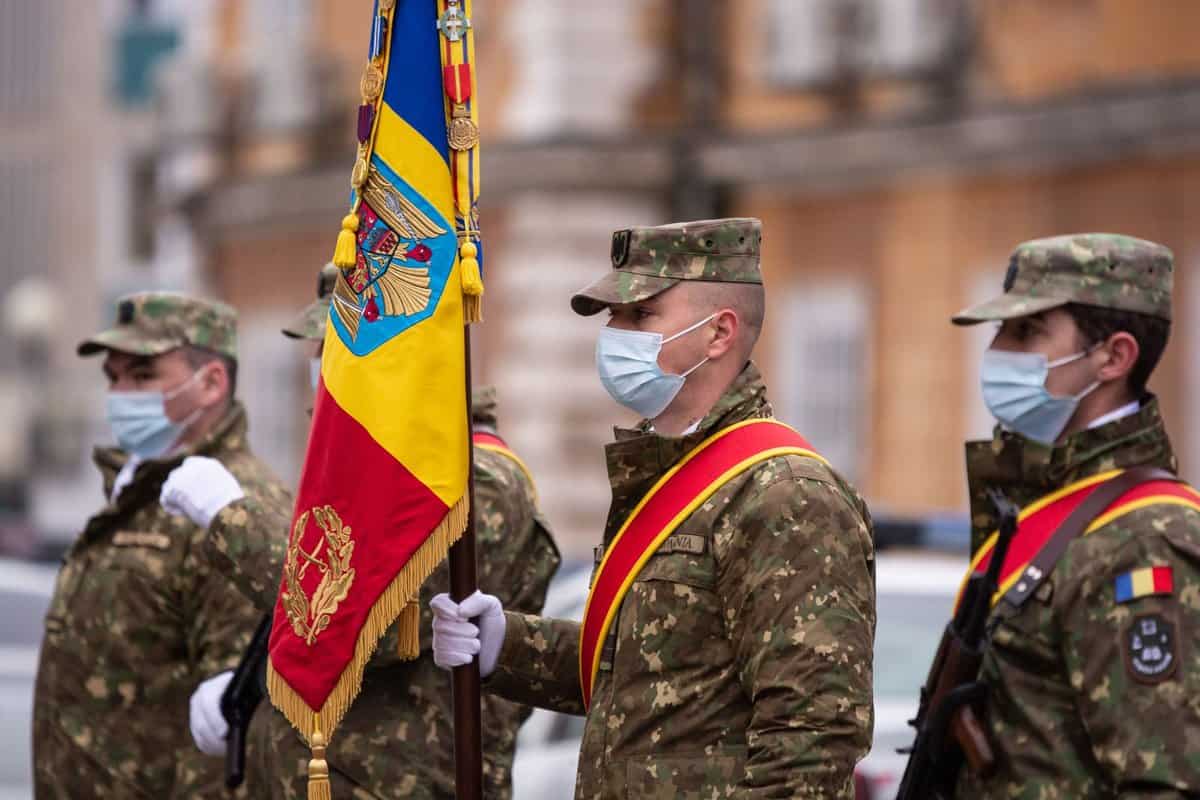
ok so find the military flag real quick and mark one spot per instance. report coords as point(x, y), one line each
point(384, 490)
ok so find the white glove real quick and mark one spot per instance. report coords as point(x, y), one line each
point(208, 724)
point(456, 639)
point(198, 489)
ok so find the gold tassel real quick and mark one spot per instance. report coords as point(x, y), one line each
point(318, 770)
point(408, 631)
point(472, 282)
point(345, 254)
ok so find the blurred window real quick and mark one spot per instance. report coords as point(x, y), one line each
point(277, 40)
point(25, 213)
point(814, 42)
point(801, 48)
point(28, 57)
point(821, 370)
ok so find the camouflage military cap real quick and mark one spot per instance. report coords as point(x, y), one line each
point(152, 323)
point(310, 323)
point(1094, 269)
point(649, 260)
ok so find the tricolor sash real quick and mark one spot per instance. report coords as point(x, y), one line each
point(1039, 520)
point(492, 443)
point(686, 486)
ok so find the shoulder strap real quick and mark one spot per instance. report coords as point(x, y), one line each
point(1075, 524)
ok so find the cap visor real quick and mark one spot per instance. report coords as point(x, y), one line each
point(125, 341)
point(1006, 306)
point(614, 290)
point(298, 328)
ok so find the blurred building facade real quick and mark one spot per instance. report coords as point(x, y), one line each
point(896, 150)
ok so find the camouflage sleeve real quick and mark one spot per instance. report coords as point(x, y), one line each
point(246, 543)
point(219, 622)
point(796, 579)
point(539, 663)
point(1134, 661)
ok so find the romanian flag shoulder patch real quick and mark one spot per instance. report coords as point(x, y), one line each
point(1144, 582)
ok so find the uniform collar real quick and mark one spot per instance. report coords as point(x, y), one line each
point(639, 454)
point(1026, 470)
point(1127, 410)
point(226, 437)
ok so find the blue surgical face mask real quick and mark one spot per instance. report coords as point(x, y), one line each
point(1014, 389)
point(140, 423)
point(628, 365)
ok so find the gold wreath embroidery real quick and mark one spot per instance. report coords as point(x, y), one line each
point(310, 617)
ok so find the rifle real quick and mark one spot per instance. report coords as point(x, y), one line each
point(948, 729)
point(241, 696)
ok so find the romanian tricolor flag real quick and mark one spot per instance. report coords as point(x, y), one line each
point(1143, 583)
point(383, 493)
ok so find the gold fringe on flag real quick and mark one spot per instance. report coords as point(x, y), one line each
point(400, 595)
point(408, 631)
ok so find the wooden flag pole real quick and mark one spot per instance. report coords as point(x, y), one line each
point(468, 733)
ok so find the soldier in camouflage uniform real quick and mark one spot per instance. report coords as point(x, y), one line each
point(137, 618)
point(739, 664)
point(396, 739)
point(1074, 708)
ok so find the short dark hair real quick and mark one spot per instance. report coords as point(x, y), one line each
point(1097, 324)
point(197, 357)
point(747, 299)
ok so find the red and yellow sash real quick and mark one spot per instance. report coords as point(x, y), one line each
point(712, 464)
point(494, 444)
point(1039, 520)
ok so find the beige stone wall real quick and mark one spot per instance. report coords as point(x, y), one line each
point(921, 249)
point(917, 248)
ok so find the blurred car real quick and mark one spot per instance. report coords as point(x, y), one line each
point(25, 590)
point(548, 742)
point(914, 597)
point(915, 594)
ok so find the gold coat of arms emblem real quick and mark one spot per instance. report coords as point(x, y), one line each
point(310, 616)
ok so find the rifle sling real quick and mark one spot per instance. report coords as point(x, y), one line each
point(1075, 524)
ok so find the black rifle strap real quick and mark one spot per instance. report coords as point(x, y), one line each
point(1075, 524)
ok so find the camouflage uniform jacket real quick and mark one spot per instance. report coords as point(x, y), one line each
point(397, 740)
point(137, 620)
point(1068, 715)
point(740, 660)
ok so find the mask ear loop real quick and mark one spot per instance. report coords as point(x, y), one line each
point(686, 331)
point(171, 395)
point(693, 369)
point(1087, 351)
point(1095, 384)
point(191, 418)
point(1084, 353)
